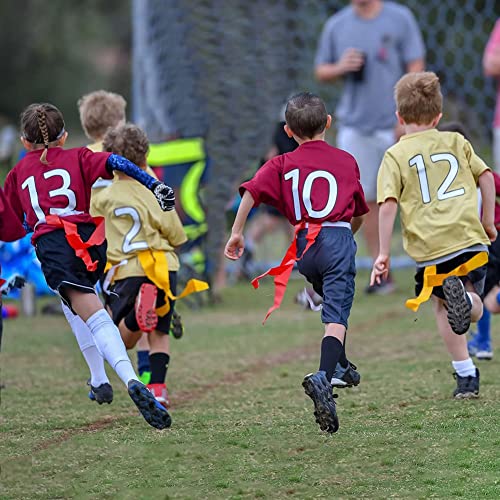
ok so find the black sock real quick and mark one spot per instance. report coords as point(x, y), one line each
point(343, 359)
point(131, 321)
point(331, 350)
point(159, 366)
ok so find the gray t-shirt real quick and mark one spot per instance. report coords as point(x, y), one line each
point(389, 42)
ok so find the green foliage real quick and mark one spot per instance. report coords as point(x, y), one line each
point(242, 426)
point(60, 49)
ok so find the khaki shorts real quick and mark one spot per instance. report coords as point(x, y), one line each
point(368, 150)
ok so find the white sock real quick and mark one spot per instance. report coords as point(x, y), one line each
point(92, 356)
point(465, 368)
point(108, 341)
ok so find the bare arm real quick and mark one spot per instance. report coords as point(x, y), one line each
point(415, 66)
point(356, 223)
point(387, 216)
point(351, 60)
point(236, 243)
point(491, 62)
point(487, 187)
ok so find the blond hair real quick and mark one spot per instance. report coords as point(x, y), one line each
point(99, 111)
point(418, 97)
point(127, 140)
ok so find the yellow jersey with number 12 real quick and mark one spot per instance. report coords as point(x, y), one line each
point(433, 176)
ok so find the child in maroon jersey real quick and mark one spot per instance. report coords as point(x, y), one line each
point(317, 188)
point(49, 190)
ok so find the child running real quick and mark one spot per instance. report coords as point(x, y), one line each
point(139, 235)
point(49, 189)
point(317, 188)
point(433, 177)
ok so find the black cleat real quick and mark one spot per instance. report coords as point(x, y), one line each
point(176, 327)
point(467, 387)
point(317, 387)
point(153, 412)
point(101, 394)
point(458, 304)
point(346, 377)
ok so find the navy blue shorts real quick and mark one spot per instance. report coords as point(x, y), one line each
point(330, 266)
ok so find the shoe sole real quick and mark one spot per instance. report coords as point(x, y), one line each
point(342, 384)
point(466, 395)
point(145, 309)
point(324, 405)
point(458, 308)
point(484, 355)
point(153, 412)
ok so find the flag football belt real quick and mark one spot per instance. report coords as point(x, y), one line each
point(75, 241)
point(282, 272)
point(155, 265)
point(432, 279)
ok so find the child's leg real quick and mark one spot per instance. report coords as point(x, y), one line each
point(143, 366)
point(92, 356)
point(492, 300)
point(130, 337)
point(332, 348)
point(477, 304)
point(159, 356)
point(106, 335)
point(456, 344)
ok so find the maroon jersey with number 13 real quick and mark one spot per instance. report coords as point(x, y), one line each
point(315, 183)
point(60, 188)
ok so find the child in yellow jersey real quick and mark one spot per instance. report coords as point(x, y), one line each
point(141, 242)
point(433, 176)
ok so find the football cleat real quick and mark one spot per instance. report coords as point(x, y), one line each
point(458, 305)
point(467, 387)
point(160, 393)
point(145, 308)
point(152, 410)
point(319, 389)
point(309, 299)
point(482, 350)
point(145, 377)
point(176, 326)
point(346, 377)
point(101, 394)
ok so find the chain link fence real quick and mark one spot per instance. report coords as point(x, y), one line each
point(222, 70)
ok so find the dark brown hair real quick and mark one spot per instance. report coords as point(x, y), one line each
point(127, 140)
point(42, 123)
point(306, 115)
point(453, 127)
point(99, 111)
point(418, 97)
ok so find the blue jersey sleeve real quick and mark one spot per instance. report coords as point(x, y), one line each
point(116, 162)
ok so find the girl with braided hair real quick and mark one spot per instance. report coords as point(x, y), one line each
point(49, 191)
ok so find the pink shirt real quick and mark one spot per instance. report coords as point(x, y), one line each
point(493, 42)
point(314, 183)
point(35, 190)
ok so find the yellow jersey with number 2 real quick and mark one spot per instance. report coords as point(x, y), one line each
point(433, 176)
point(135, 222)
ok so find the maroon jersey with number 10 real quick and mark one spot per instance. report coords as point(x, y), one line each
point(60, 188)
point(315, 183)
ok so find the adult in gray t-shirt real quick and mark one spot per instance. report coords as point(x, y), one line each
point(370, 45)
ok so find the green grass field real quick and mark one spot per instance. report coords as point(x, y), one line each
point(242, 426)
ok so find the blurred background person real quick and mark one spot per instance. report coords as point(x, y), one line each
point(491, 67)
point(369, 44)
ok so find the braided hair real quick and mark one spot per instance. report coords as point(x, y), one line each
point(42, 124)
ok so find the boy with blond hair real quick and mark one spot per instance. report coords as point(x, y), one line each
point(99, 111)
point(141, 243)
point(433, 176)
